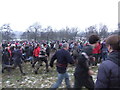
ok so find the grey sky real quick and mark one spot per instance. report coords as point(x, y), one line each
point(59, 13)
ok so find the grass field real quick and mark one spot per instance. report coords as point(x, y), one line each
point(42, 80)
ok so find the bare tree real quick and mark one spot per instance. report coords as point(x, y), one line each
point(48, 32)
point(103, 31)
point(24, 35)
point(91, 30)
point(7, 33)
point(73, 32)
point(67, 33)
point(33, 32)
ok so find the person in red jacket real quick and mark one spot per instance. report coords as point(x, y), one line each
point(96, 52)
point(36, 53)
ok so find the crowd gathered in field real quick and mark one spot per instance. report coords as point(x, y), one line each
point(82, 54)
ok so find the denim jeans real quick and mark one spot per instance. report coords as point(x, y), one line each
point(60, 79)
point(104, 56)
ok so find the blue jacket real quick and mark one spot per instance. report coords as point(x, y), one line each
point(63, 58)
point(109, 72)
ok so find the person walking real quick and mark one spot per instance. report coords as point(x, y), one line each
point(5, 59)
point(17, 59)
point(36, 53)
point(63, 58)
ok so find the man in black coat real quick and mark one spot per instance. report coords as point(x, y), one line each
point(5, 59)
point(17, 58)
point(63, 58)
point(82, 73)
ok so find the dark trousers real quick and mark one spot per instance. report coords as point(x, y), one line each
point(7, 67)
point(35, 60)
point(88, 83)
point(104, 56)
point(19, 65)
point(40, 60)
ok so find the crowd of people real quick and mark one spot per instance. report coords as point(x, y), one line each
point(81, 54)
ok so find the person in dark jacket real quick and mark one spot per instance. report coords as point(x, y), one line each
point(104, 51)
point(4, 44)
point(82, 73)
point(17, 58)
point(109, 71)
point(63, 58)
point(5, 59)
point(75, 51)
point(48, 50)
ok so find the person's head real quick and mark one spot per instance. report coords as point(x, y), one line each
point(38, 45)
point(113, 43)
point(93, 40)
point(44, 44)
point(65, 46)
point(75, 44)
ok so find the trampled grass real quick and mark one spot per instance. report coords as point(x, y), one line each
point(43, 79)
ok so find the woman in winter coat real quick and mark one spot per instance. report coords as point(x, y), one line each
point(109, 71)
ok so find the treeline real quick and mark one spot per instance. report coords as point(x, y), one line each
point(36, 32)
point(6, 33)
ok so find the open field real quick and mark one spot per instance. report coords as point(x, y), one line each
point(42, 80)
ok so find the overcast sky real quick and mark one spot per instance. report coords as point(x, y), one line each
point(59, 13)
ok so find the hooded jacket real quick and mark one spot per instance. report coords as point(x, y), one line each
point(109, 72)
